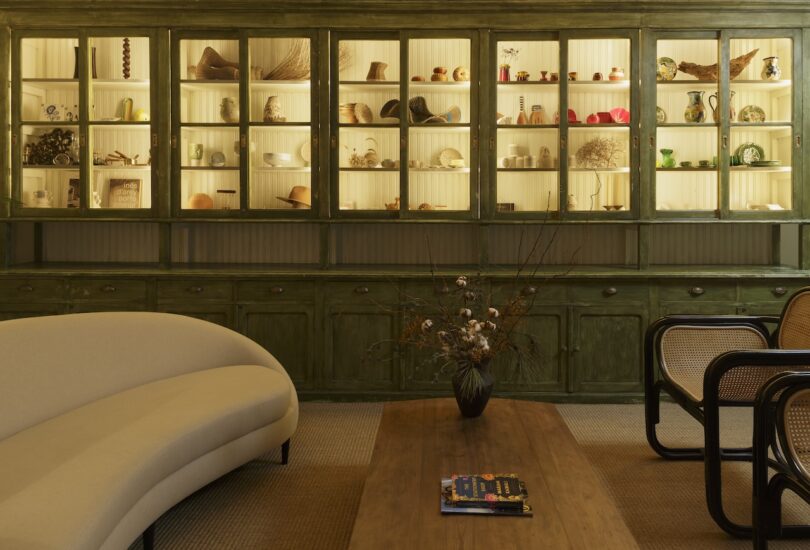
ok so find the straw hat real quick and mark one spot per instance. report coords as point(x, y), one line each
point(299, 195)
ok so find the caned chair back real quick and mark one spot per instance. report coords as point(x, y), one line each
point(794, 326)
point(796, 418)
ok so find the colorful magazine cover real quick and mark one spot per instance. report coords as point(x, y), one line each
point(448, 506)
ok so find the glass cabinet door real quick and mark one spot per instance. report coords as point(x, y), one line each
point(440, 118)
point(365, 111)
point(83, 134)
point(764, 143)
point(526, 149)
point(687, 134)
point(206, 107)
point(600, 143)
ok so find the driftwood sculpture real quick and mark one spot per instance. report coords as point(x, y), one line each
point(710, 72)
point(213, 66)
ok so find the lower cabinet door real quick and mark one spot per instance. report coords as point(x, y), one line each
point(539, 363)
point(219, 314)
point(607, 348)
point(360, 351)
point(698, 308)
point(288, 332)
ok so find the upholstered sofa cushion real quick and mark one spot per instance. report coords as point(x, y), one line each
point(65, 483)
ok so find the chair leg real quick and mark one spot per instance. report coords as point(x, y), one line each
point(285, 452)
point(652, 416)
point(149, 538)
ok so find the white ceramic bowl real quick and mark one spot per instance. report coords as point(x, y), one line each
point(277, 159)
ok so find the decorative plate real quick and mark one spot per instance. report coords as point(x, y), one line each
point(761, 163)
point(660, 115)
point(750, 152)
point(448, 155)
point(752, 113)
point(666, 69)
point(218, 159)
point(620, 115)
point(306, 152)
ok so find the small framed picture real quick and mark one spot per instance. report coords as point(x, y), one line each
point(73, 193)
point(124, 193)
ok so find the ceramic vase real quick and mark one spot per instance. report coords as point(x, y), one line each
point(695, 110)
point(272, 110)
point(229, 109)
point(770, 69)
point(471, 406)
point(732, 112)
point(667, 161)
point(503, 73)
point(617, 73)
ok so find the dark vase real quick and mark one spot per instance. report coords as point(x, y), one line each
point(472, 407)
point(76, 63)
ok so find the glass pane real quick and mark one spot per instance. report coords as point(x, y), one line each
point(761, 130)
point(50, 86)
point(527, 137)
point(687, 133)
point(439, 116)
point(121, 173)
point(210, 93)
point(209, 164)
point(280, 175)
point(599, 116)
point(368, 117)
point(50, 162)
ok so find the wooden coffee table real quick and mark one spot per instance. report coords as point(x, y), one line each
point(419, 442)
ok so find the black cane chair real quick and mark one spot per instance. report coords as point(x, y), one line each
point(706, 362)
point(783, 426)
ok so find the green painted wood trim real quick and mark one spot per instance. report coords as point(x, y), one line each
point(776, 242)
point(647, 153)
point(724, 132)
point(38, 252)
point(804, 247)
point(5, 245)
point(5, 154)
point(643, 244)
point(805, 127)
point(161, 48)
point(320, 144)
point(165, 245)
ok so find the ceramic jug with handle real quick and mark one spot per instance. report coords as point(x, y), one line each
point(695, 110)
point(732, 112)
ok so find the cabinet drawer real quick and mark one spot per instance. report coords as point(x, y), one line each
point(200, 290)
point(697, 290)
point(769, 292)
point(363, 292)
point(275, 291)
point(108, 289)
point(30, 290)
point(609, 292)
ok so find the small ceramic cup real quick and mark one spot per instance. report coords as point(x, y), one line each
point(598, 76)
point(572, 75)
point(554, 77)
point(703, 163)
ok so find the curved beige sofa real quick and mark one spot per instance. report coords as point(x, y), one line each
point(109, 419)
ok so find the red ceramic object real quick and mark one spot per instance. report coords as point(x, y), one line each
point(620, 115)
point(572, 117)
point(592, 119)
point(604, 118)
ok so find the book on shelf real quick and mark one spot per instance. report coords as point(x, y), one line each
point(124, 193)
point(492, 494)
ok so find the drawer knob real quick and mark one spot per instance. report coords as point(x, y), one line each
point(529, 290)
point(610, 291)
point(108, 288)
point(25, 288)
point(277, 290)
point(443, 290)
point(195, 289)
point(361, 290)
point(696, 291)
point(779, 291)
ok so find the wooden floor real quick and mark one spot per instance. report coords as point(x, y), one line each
point(419, 442)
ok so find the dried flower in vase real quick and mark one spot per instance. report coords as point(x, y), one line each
point(509, 55)
point(599, 153)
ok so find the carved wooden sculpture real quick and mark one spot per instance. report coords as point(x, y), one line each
point(710, 72)
point(213, 66)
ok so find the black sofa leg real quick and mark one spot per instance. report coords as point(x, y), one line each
point(149, 538)
point(285, 452)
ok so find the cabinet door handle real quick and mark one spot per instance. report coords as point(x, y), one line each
point(333, 142)
point(361, 290)
point(798, 142)
point(108, 288)
point(154, 140)
point(576, 348)
point(25, 288)
point(277, 290)
point(562, 144)
point(725, 142)
point(635, 142)
point(696, 291)
point(403, 143)
point(564, 348)
point(195, 289)
point(779, 291)
point(529, 290)
point(610, 291)
point(652, 142)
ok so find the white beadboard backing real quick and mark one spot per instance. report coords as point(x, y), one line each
point(600, 55)
point(687, 143)
point(367, 190)
point(295, 101)
point(426, 53)
point(529, 191)
point(404, 244)
point(754, 190)
point(563, 244)
point(213, 140)
point(261, 243)
point(49, 57)
point(191, 51)
point(208, 182)
point(110, 57)
point(595, 190)
point(55, 182)
point(686, 190)
point(533, 56)
point(268, 53)
point(427, 143)
point(285, 139)
point(358, 141)
point(202, 102)
point(529, 141)
point(363, 52)
point(545, 96)
point(441, 191)
point(768, 47)
point(37, 96)
point(266, 186)
point(100, 242)
point(707, 244)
